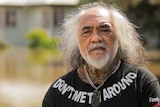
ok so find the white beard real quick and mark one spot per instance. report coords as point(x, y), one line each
point(98, 63)
point(102, 62)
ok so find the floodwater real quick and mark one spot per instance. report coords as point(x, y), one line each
point(25, 77)
point(23, 81)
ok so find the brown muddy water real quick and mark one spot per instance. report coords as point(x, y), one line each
point(25, 78)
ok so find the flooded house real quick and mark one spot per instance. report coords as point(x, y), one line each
point(17, 17)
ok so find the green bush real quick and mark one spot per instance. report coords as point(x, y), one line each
point(40, 38)
point(55, 42)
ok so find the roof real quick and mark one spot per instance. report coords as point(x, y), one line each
point(37, 2)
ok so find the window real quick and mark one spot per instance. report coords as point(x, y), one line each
point(11, 18)
point(58, 15)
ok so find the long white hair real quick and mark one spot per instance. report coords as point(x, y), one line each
point(131, 49)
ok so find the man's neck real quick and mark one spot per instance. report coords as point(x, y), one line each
point(97, 75)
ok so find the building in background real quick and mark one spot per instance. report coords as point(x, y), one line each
point(17, 17)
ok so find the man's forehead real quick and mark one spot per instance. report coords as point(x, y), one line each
point(96, 14)
point(96, 11)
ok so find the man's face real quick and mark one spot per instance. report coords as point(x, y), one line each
point(97, 39)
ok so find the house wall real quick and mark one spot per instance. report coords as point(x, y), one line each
point(1, 23)
point(28, 18)
point(15, 34)
point(41, 17)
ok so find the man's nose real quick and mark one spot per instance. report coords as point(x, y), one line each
point(96, 37)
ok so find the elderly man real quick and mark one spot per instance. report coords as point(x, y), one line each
point(104, 55)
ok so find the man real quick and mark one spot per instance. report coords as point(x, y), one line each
point(105, 56)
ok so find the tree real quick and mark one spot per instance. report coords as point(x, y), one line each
point(147, 17)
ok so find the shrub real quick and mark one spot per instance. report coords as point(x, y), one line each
point(40, 38)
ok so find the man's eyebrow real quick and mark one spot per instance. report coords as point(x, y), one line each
point(86, 28)
point(105, 26)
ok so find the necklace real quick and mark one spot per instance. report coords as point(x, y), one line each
point(96, 97)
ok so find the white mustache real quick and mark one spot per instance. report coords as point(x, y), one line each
point(97, 45)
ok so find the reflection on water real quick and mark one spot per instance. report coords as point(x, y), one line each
point(21, 94)
point(23, 82)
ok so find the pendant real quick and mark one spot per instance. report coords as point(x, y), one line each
point(95, 102)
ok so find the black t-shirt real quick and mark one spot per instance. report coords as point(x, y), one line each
point(129, 86)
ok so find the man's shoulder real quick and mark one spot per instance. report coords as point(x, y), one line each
point(142, 71)
point(68, 77)
point(126, 67)
point(69, 74)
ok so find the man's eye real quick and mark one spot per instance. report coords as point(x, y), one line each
point(85, 32)
point(106, 30)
